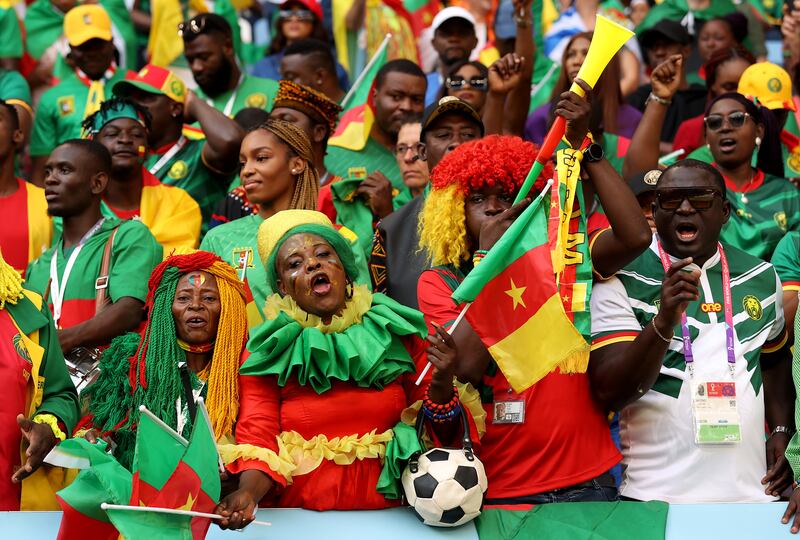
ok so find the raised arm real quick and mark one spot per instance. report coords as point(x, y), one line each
point(643, 152)
point(504, 75)
point(519, 98)
point(223, 135)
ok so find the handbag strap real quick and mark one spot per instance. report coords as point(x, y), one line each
point(101, 283)
point(466, 441)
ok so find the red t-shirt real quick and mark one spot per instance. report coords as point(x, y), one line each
point(565, 438)
point(15, 370)
point(689, 135)
point(14, 232)
point(325, 202)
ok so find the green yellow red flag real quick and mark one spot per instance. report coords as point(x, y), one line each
point(516, 308)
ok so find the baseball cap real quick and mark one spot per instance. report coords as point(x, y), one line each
point(311, 5)
point(770, 84)
point(85, 22)
point(644, 182)
point(446, 105)
point(672, 30)
point(452, 12)
point(155, 80)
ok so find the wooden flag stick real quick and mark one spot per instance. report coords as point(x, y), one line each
point(174, 511)
point(450, 331)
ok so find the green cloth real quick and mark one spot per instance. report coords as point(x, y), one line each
point(61, 111)
point(370, 354)
point(793, 450)
point(59, 396)
point(786, 260)
point(121, 110)
point(252, 92)
point(676, 10)
point(399, 450)
point(545, 76)
point(44, 25)
point(187, 170)
point(11, 44)
point(576, 521)
point(14, 86)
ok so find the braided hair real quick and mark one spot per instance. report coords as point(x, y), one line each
point(306, 189)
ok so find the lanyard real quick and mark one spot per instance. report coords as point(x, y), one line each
point(56, 290)
point(229, 105)
point(177, 147)
point(728, 308)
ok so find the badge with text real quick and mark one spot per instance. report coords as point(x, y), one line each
point(715, 413)
point(509, 412)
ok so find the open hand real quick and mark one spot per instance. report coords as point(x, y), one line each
point(779, 473)
point(793, 509)
point(40, 440)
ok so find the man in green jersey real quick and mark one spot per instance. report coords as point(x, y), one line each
point(208, 48)
point(62, 109)
point(786, 260)
point(14, 90)
point(202, 167)
point(70, 274)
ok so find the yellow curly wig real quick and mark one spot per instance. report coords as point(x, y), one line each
point(442, 227)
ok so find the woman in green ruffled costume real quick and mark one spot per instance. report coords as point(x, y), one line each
point(329, 374)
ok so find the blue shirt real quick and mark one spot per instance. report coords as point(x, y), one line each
point(269, 67)
point(435, 81)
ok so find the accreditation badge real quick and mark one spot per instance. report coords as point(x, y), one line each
point(511, 411)
point(715, 413)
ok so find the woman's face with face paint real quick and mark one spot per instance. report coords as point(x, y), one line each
point(310, 271)
point(196, 308)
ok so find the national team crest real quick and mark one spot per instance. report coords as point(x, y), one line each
point(753, 307)
point(178, 170)
point(256, 100)
point(65, 105)
point(21, 348)
point(243, 258)
point(780, 219)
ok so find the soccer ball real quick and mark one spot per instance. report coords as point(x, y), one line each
point(446, 488)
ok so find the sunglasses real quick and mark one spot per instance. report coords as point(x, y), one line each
point(302, 15)
point(714, 122)
point(457, 83)
point(700, 199)
point(194, 26)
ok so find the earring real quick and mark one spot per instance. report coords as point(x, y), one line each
point(758, 141)
point(348, 293)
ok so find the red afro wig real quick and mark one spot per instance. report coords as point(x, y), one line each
point(494, 159)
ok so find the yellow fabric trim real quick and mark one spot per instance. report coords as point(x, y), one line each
point(354, 310)
point(21, 104)
point(597, 274)
point(568, 170)
point(52, 421)
point(777, 346)
point(40, 225)
point(791, 287)
point(621, 339)
point(307, 455)
point(281, 462)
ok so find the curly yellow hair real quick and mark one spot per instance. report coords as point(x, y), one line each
point(442, 227)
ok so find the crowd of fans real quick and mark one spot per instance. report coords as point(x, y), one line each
point(183, 218)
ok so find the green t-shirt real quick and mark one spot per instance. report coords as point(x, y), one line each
point(252, 92)
point(134, 254)
point(11, 44)
point(14, 86)
point(791, 164)
point(786, 260)
point(187, 170)
point(61, 111)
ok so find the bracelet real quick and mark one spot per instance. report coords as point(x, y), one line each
point(441, 412)
point(782, 429)
point(52, 421)
point(655, 329)
point(478, 256)
point(661, 101)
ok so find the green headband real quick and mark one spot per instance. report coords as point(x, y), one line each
point(336, 240)
point(121, 110)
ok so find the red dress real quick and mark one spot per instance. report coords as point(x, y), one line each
point(266, 410)
point(564, 439)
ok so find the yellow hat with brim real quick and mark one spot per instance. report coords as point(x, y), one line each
point(768, 83)
point(85, 22)
point(153, 80)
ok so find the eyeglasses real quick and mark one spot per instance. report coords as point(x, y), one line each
point(195, 26)
point(302, 15)
point(404, 149)
point(700, 199)
point(714, 122)
point(457, 83)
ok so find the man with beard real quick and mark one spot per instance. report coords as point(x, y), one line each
point(208, 47)
point(62, 108)
point(454, 39)
point(372, 185)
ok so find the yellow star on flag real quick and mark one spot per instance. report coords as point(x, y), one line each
point(516, 294)
point(189, 503)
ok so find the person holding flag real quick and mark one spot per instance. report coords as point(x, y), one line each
point(545, 441)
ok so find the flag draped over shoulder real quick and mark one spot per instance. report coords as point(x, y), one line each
point(356, 121)
point(516, 307)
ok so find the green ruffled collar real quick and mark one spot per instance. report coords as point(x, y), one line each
point(364, 348)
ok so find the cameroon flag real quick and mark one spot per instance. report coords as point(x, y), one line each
point(356, 121)
point(516, 309)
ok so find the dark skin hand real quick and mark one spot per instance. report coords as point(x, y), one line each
point(239, 508)
point(40, 440)
point(779, 398)
point(122, 316)
point(443, 354)
point(377, 190)
point(518, 100)
point(576, 110)
point(622, 373)
point(504, 75)
point(645, 149)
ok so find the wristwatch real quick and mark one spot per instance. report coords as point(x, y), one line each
point(593, 153)
point(782, 429)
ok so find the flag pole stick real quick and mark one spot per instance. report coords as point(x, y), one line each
point(157, 420)
point(360, 79)
point(450, 331)
point(174, 511)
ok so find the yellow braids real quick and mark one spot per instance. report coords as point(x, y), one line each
point(442, 227)
point(306, 189)
point(10, 283)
